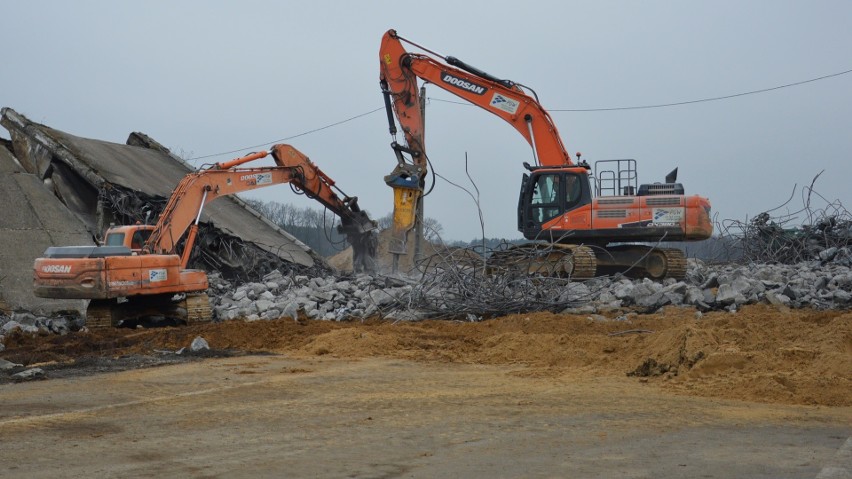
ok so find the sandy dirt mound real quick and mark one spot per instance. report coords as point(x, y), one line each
point(759, 354)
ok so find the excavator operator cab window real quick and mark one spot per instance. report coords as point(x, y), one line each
point(573, 191)
point(139, 238)
point(554, 194)
point(114, 239)
point(545, 198)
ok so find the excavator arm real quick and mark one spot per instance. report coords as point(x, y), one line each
point(504, 98)
point(399, 74)
point(183, 211)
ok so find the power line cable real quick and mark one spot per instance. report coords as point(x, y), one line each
point(641, 107)
point(753, 92)
point(287, 138)
point(664, 105)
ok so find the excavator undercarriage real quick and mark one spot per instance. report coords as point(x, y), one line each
point(162, 309)
point(580, 262)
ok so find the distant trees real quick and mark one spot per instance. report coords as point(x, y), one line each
point(432, 229)
point(316, 228)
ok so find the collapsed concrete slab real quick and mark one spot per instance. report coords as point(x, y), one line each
point(98, 183)
point(31, 219)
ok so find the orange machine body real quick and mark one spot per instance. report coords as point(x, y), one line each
point(115, 276)
point(685, 217)
point(550, 209)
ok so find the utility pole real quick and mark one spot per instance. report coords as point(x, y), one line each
point(418, 222)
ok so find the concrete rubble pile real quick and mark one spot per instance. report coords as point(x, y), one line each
point(825, 284)
point(815, 284)
point(820, 284)
point(326, 298)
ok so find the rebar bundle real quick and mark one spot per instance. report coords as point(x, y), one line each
point(460, 282)
point(807, 234)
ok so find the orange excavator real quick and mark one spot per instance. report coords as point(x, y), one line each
point(591, 223)
point(139, 272)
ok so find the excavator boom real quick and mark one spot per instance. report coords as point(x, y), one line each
point(503, 98)
point(292, 166)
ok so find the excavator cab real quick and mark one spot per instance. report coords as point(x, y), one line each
point(548, 193)
point(132, 236)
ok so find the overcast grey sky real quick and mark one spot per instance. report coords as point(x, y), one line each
point(204, 77)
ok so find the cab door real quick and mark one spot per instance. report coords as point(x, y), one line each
point(554, 200)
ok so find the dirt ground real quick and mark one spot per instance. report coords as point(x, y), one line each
point(761, 393)
point(759, 354)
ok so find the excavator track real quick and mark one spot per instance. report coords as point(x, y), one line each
point(569, 261)
point(661, 263)
point(197, 308)
point(581, 262)
point(99, 315)
point(105, 314)
point(675, 263)
point(641, 261)
point(583, 259)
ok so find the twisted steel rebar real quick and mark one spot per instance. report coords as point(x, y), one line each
point(793, 236)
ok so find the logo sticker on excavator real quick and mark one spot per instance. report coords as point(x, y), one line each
point(157, 275)
point(667, 217)
point(257, 178)
point(56, 268)
point(264, 178)
point(463, 84)
point(387, 58)
point(504, 103)
point(660, 218)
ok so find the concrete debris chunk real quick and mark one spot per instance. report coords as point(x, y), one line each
point(14, 325)
point(8, 365)
point(29, 375)
point(199, 344)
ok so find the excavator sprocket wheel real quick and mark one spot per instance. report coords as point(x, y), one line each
point(198, 309)
point(666, 263)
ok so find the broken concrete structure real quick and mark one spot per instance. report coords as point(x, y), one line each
point(70, 189)
point(31, 219)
